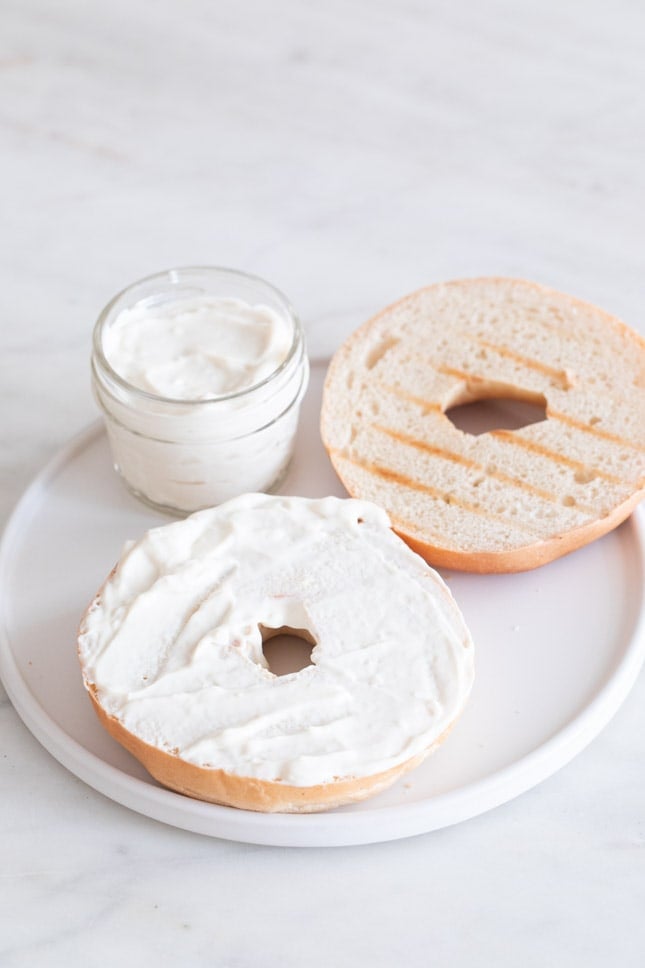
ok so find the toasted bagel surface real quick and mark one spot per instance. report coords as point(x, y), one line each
point(507, 500)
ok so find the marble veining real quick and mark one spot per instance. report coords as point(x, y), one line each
point(348, 152)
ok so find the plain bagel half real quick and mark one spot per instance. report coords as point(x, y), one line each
point(171, 651)
point(507, 500)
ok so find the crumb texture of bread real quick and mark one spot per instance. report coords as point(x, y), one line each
point(506, 500)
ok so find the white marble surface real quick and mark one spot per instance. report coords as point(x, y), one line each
point(350, 152)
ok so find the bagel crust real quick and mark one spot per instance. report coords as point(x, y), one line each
point(506, 500)
point(171, 651)
point(250, 793)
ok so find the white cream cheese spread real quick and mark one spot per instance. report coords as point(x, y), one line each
point(201, 392)
point(198, 348)
point(172, 646)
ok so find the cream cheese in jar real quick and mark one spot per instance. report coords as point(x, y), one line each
point(200, 374)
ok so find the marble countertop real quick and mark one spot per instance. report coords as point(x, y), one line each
point(349, 152)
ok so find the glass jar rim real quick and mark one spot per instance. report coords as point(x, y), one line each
point(105, 365)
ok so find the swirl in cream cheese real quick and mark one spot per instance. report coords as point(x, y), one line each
point(197, 349)
point(201, 394)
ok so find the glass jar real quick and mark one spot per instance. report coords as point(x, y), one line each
point(181, 455)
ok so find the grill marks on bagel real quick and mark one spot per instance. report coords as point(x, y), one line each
point(507, 499)
point(584, 473)
point(561, 378)
point(589, 428)
point(408, 482)
point(469, 462)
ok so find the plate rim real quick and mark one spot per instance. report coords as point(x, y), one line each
point(329, 828)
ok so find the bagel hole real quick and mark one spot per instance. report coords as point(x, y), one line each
point(497, 413)
point(287, 650)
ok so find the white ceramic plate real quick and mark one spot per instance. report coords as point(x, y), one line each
point(557, 650)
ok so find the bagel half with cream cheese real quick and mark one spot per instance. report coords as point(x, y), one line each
point(171, 654)
point(506, 500)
